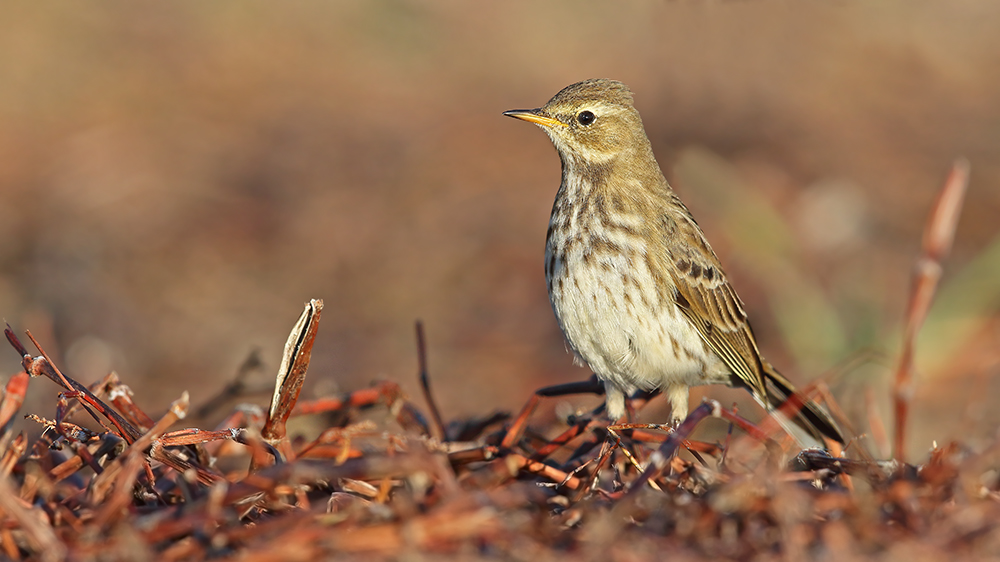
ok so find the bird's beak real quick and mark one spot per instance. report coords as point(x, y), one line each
point(534, 116)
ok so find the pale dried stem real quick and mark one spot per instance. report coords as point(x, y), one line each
point(291, 375)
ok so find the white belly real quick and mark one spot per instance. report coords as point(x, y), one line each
point(610, 310)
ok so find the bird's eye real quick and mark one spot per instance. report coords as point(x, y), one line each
point(586, 117)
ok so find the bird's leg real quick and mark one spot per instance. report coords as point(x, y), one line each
point(678, 396)
point(614, 399)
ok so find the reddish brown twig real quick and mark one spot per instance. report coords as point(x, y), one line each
point(513, 435)
point(121, 396)
point(13, 398)
point(938, 235)
point(386, 393)
point(36, 366)
point(425, 384)
point(579, 426)
point(340, 435)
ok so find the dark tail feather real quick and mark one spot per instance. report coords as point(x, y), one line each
point(811, 416)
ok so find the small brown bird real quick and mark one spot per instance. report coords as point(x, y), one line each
point(634, 284)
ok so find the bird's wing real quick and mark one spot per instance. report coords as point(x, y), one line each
point(707, 299)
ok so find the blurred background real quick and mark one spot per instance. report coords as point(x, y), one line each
point(176, 180)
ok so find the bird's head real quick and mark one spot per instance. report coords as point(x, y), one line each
point(593, 120)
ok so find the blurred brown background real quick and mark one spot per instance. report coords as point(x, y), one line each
point(177, 179)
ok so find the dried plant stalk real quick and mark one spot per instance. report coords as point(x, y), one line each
point(292, 372)
point(938, 236)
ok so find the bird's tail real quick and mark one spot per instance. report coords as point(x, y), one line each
point(811, 417)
